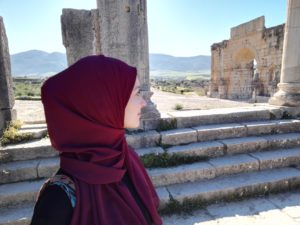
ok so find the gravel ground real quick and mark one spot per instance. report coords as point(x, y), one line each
point(32, 111)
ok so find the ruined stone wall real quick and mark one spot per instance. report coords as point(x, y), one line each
point(234, 74)
point(6, 83)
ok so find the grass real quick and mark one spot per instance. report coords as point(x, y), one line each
point(23, 90)
point(178, 106)
point(167, 124)
point(185, 207)
point(168, 160)
point(12, 136)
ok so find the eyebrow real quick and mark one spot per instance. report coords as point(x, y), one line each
point(137, 87)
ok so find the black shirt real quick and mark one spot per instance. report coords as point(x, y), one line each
point(54, 206)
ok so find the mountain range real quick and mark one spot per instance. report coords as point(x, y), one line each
point(36, 63)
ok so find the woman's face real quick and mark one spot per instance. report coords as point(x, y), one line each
point(133, 107)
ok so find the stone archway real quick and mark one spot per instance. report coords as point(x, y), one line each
point(243, 74)
point(232, 73)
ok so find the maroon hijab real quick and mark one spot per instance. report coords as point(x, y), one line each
point(84, 107)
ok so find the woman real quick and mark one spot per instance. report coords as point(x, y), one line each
point(101, 180)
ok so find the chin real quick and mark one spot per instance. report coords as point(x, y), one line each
point(133, 125)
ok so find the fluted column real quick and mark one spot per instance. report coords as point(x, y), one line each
point(289, 86)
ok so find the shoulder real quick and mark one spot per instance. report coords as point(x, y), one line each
point(52, 207)
point(55, 202)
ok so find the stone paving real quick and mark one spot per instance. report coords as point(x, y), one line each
point(281, 209)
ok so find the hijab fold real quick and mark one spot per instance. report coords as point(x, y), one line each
point(84, 108)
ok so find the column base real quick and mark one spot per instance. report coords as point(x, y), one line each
point(6, 115)
point(150, 115)
point(282, 98)
point(288, 95)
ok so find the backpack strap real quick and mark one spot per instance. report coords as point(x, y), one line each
point(63, 181)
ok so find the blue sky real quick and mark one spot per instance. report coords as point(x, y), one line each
point(176, 27)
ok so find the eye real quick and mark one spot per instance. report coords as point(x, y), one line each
point(139, 92)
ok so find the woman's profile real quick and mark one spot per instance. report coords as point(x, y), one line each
point(101, 180)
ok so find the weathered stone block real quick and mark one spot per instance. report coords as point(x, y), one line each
point(18, 193)
point(245, 145)
point(30, 150)
point(181, 174)
point(283, 140)
point(279, 158)
point(143, 139)
point(18, 171)
point(260, 127)
point(147, 151)
point(6, 84)
point(234, 164)
point(235, 186)
point(163, 195)
point(79, 33)
point(178, 136)
point(222, 131)
point(272, 127)
point(48, 167)
point(205, 149)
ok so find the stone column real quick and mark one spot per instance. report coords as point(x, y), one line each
point(289, 86)
point(80, 32)
point(6, 84)
point(117, 29)
point(124, 35)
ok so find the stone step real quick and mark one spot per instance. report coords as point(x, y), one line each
point(208, 191)
point(40, 168)
point(19, 215)
point(237, 145)
point(193, 118)
point(229, 188)
point(226, 165)
point(42, 148)
point(12, 171)
point(17, 193)
point(211, 169)
point(29, 150)
point(224, 131)
point(28, 170)
point(36, 130)
point(17, 171)
point(33, 126)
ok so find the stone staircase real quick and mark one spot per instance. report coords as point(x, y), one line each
point(211, 155)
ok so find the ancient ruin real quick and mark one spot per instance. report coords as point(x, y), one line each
point(289, 86)
point(249, 63)
point(6, 85)
point(115, 30)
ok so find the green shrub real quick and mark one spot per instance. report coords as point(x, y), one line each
point(27, 89)
point(12, 136)
point(178, 107)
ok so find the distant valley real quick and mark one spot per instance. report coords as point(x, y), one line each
point(36, 63)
